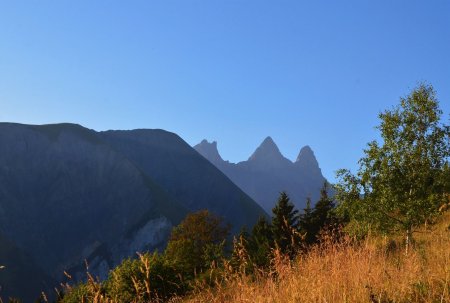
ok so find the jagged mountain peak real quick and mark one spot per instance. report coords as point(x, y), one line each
point(305, 153)
point(267, 172)
point(209, 151)
point(267, 150)
point(306, 159)
point(268, 141)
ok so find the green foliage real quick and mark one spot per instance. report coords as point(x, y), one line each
point(213, 254)
point(285, 225)
point(144, 279)
point(196, 242)
point(260, 243)
point(76, 294)
point(313, 220)
point(446, 178)
point(306, 223)
point(401, 181)
point(140, 280)
point(322, 214)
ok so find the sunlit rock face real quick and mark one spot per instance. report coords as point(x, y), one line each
point(267, 172)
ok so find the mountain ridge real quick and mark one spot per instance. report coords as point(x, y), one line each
point(267, 172)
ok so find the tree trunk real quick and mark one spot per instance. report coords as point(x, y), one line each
point(408, 240)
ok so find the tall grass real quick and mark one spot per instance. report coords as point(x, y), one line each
point(375, 270)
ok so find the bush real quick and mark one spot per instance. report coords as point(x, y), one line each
point(196, 242)
point(149, 277)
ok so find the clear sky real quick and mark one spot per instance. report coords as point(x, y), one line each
point(304, 72)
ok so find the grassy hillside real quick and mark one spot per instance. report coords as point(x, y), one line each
point(375, 270)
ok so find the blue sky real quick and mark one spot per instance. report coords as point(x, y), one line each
point(303, 72)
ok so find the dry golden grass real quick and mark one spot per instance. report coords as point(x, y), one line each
point(376, 270)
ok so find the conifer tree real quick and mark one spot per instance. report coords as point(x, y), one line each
point(322, 213)
point(285, 225)
point(261, 243)
point(306, 223)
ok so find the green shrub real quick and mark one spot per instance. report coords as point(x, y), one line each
point(76, 294)
point(147, 278)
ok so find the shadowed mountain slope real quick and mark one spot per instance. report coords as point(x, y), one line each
point(68, 193)
point(185, 174)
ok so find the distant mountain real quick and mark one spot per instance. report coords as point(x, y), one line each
point(68, 193)
point(267, 172)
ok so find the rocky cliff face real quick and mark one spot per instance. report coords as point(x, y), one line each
point(267, 172)
point(184, 174)
point(68, 193)
point(209, 151)
point(307, 162)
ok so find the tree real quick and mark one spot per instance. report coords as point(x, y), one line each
point(322, 215)
point(192, 241)
point(285, 225)
point(260, 243)
point(400, 182)
point(313, 220)
point(306, 223)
